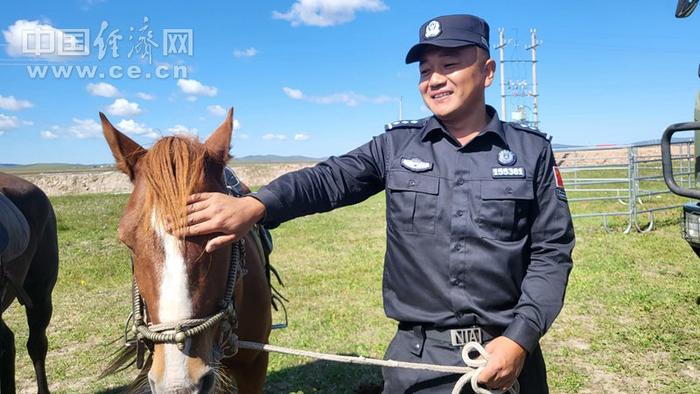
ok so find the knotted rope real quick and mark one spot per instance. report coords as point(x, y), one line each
point(470, 373)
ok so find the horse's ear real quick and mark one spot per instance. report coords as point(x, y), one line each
point(126, 151)
point(219, 143)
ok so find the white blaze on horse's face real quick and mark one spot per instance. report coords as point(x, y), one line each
point(176, 370)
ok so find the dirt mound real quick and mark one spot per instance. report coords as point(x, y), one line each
point(615, 155)
point(59, 184)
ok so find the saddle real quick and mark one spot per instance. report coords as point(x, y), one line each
point(14, 230)
point(235, 188)
point(263, 240)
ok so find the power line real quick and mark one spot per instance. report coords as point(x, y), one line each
point(519, 88)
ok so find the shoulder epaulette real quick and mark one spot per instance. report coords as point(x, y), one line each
point(532, 130)
point(406, 124)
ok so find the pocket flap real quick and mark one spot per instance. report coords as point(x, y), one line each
point(507, 189)
point(410, 181)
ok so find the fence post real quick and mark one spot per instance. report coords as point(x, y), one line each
point(632, 194)
point(691, 170)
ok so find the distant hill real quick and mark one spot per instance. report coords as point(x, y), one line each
point(51, 167)
point(275, 159)
point(67, 167)
point(677, 138)
point(564, 146)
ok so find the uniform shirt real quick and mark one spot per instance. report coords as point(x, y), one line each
point(472, 237)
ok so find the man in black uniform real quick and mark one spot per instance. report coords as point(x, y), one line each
point(479, 234)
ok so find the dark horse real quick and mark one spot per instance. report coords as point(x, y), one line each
point(183, 287)
point(30, 277)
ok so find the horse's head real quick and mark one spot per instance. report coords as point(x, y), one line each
point(177, 279)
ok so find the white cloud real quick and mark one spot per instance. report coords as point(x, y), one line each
point(122, 107)
point(50, 39)
point(10, 103)
point(271, 136)
point(48, 135)
point(87, 4)
point(250, 52)
point(327, 12)
point(145, 96)
point(351, 99)
point(236, 124)
point(85, 128)
point(102, 89)
point(183, 130)
point(296, 94)
point(242, 136)
point(132, 127)
point(194, 87)
point(301, 137)
point(191, 99)
point(216, 110)
point(8, 122)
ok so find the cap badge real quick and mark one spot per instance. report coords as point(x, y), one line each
point(433, 29)
point(506, 158)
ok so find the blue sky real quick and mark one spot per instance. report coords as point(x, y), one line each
point(320, 77)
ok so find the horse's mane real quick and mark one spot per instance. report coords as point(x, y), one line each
point(173, 168)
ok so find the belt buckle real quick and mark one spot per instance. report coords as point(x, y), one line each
point(461, 336)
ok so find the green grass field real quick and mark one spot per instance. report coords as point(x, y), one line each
point(631, 323)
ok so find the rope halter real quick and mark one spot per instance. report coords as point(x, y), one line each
point(178, 332)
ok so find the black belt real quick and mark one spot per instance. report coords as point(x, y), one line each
point(457, 336)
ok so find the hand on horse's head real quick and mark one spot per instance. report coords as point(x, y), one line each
point(230, 218)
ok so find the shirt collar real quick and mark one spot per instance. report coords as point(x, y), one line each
point(493, 125)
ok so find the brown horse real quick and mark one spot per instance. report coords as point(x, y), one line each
point(29, 276)
point(176, 278)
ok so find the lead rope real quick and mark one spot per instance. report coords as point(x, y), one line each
point(470, 373)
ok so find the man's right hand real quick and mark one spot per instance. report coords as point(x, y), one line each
point(231, 217)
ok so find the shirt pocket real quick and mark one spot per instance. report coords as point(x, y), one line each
point(504, 208)
point(412, 201)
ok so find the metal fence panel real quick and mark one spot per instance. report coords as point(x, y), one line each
point(600, 178)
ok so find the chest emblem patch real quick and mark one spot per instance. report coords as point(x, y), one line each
point(506, 158)
point(416, 165)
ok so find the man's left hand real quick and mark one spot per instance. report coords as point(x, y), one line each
point(506, 359)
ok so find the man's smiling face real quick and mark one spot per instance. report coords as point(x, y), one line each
point(452, 80)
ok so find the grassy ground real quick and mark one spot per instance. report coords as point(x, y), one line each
point(631, 323)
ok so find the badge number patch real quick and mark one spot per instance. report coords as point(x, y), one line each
point(508, 172)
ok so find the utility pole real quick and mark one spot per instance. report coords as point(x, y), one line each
point(519, 88)
point(501, 45)
point(533, 47)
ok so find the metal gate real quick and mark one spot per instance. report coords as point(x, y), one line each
point(623, 181)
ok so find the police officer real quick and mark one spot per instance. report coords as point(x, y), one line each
point(479, 234)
